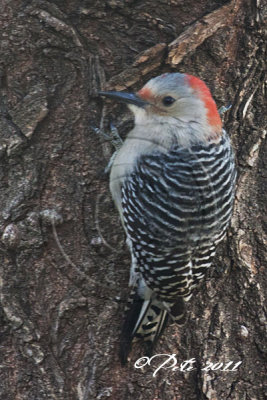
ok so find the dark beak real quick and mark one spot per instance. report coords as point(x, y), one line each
point(123, 97)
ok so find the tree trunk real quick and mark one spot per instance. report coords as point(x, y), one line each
point(64, 263)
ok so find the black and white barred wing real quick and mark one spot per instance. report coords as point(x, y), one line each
point(176, 208)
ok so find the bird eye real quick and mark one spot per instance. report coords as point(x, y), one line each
point(168, 101)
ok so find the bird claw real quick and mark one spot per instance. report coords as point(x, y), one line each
point(116, 140)
point(99, 132)
point(223, 109)
point(113, 137)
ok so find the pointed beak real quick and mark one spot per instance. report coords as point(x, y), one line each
point(123, 97)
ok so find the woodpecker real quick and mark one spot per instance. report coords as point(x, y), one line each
point(173, 184)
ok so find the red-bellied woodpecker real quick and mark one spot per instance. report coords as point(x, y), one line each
point(173, 183)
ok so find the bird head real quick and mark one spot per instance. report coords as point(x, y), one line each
point(176, 99)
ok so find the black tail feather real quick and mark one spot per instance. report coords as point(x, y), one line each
point(178, 311)
point(131, 318)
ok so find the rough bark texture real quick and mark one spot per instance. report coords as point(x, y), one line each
point(60, 317)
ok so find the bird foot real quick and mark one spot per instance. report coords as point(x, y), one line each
point(113, 137)
point(222, 110)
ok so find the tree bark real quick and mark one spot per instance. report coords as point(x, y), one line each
point(64, 263)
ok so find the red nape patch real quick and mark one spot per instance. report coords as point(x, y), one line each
point(145, 93)
point(205, 95)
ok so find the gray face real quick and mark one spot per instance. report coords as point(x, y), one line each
point(171, 95)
